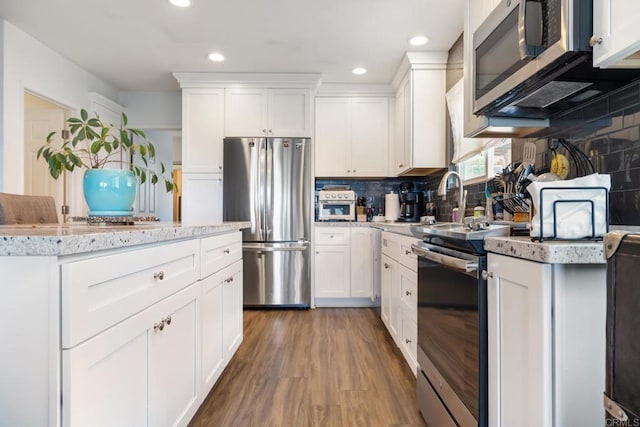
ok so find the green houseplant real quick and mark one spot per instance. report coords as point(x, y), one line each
point(93, 144)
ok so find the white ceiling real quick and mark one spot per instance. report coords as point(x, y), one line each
point(137, 44)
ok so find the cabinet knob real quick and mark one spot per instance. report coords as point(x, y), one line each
point(348, 171)
point(407, 293)
point(407, 252)
point(270, 131)
point(486, 275)
point(400, 166)
point(220, 167)
point(264, 131)
point(159, 276)
point(407, 340)
point(594, 40)
point(386, 265)
point(167, 320)
point(226, 251)
point(158, 326)
point(354, 171)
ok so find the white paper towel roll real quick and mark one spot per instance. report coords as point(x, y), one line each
point(391, 207)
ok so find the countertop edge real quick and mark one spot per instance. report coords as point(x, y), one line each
point(550, 252)
point(61, 240)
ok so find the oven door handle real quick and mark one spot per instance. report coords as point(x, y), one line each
point(454, 263)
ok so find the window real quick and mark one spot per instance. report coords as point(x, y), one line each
point(492, 159)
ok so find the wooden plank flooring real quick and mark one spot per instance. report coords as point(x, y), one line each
point(322, 367)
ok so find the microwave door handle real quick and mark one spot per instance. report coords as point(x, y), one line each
point(530, 28)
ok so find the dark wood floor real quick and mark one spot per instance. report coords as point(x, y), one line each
point(322, 367)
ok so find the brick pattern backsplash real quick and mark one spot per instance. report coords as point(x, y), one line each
point(608, 131)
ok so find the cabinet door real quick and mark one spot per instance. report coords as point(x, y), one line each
point(232, 309)
point(212, 324)
point(428, 146)
point(245, 112)
point(361, 249)
point(616, 22)
point(174, 360)
point(201, 196)
point(289, 113)
point(202, 130)
point(385, 291)
point(519, 333)
point(333, 137)
point(369, 136)
point(332, 271)
point(108, 380)
point(403, 127)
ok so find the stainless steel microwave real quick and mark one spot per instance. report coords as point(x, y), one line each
point(532, 59)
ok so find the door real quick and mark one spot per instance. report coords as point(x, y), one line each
point(245, 112)
point(385, 292)
point(287, 190)
point(243, 194)
point(41, 118)
point(276, 274)
point(616, 22)
point(519, 342)
point(232, 291)
point(361, 257)
point(332, 271)
point(289, 113)
point(333, 137)
point(369, 136)
point(202, 128)
point(174, 375)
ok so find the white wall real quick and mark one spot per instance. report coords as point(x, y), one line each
point(163, 142)
point(30, 65)
point(153, 110)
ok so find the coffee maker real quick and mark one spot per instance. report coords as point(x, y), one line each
point(410, 203)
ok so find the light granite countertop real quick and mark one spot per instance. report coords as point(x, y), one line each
point(394, 227)
point(550, 252)
point(75, 238)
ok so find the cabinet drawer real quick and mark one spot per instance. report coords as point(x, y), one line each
point(407, 257)
point(332, 235)
point(102, 291)
point(408, 291)
point(410, 339)
point(218, 252)
point(390, 245)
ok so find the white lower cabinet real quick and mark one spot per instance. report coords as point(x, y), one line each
point(399, 292)
point(345, 260)
point(546, 343)
point(221, 321)
point(143, 371)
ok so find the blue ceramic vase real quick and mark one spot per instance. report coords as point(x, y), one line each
point(109, 192)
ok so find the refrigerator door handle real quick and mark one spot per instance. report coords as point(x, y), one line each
point(272, 248)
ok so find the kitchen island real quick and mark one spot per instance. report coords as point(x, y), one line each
point(116, 325)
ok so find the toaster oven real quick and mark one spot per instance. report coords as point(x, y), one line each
point(336, 205)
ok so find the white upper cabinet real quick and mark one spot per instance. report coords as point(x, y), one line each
point(202, 130)
point(420, 143)
point(616, 33)
point(267, 112)
point(352, 136)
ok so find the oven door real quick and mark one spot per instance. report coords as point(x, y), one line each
point(331, 210)
point(452, 331)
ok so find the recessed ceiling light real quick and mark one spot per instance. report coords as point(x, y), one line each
point(359, 71)
point(418, 40)
point(181, 3)
point(216, 57)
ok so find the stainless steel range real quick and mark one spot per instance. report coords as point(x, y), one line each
point(452, 385)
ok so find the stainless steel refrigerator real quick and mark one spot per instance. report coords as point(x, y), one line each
point(267, 182)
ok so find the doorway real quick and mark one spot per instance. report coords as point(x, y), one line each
point(42, 117)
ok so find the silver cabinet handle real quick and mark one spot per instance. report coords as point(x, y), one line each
point(226, 251)
point(159, 276)
point(407, 252)
point(407, 293)
point(486, 275)
point(158, 326)
point(594, 40)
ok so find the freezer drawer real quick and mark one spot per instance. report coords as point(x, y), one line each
point(276, 274)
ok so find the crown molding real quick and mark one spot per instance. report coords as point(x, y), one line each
point(261, 80)
point(427, 60)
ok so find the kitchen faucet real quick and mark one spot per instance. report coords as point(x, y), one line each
point(442, 191)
